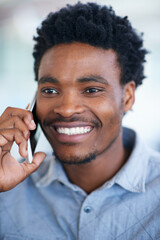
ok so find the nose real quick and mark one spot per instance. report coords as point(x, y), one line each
point(68, 105)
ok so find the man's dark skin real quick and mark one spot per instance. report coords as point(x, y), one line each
point(78, 86)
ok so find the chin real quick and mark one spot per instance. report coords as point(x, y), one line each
point(76, 160)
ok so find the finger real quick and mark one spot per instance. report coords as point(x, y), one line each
point(11, 135)
point(25, 115)
point(23, 146)
point(16, 122)
point(32, 167)
point(6, 148)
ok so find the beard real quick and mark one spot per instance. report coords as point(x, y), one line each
point(78, 160)
point(72, 160)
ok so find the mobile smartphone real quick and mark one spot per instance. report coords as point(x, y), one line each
point(35, 134)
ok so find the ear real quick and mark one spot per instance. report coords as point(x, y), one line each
point(128, 96)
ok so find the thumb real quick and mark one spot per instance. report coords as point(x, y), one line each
point(32, 167)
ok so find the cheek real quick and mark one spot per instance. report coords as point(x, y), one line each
point(111, 118)
point(41, 110)
point(106, 110)
point(110, 115)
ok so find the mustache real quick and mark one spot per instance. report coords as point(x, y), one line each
point(50, 121)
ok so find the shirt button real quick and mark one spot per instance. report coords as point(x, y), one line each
point(87, 209)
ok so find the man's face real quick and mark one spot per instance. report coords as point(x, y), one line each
point(79, 100)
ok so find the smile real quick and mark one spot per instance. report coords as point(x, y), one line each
point(74, 130)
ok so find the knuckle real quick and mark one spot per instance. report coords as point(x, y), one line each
point(29, 113)
point(17, 132)
point(15, 118)
point(7, 112)
point(9, 109)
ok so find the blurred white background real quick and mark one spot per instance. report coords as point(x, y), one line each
point(18, 22)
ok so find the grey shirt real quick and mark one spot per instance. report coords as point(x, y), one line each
point(47, 206)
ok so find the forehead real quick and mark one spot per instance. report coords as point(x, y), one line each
point(76, 59)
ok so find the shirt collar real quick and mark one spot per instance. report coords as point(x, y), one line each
point(131, 176)
point(49, 171)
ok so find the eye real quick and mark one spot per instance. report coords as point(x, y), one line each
point(93, 90)
point(49, 91)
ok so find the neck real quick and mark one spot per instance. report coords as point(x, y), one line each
point(92, 175)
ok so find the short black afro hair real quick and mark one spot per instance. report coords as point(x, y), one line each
point(98, 26)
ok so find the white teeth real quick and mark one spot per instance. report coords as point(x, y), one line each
point(74, 131)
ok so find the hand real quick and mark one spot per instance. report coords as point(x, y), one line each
point(15, 126)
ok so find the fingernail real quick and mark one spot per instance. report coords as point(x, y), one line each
point(26, 134)
point(33, 123)
point(27, 107)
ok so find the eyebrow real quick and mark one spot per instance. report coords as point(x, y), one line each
point(93, 78)
point(47, 79)
point(90, 78)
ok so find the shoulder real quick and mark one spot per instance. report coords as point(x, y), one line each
point(16, 195)
point(154, 161)
point(13, 203)
point(153, 170)
point(154, 156)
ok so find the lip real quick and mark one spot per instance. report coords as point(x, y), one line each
point(64, 138)
point(72, 124)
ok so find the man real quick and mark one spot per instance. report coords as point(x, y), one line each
point(101, 182)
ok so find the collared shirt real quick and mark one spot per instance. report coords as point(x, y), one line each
point(47, 206)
